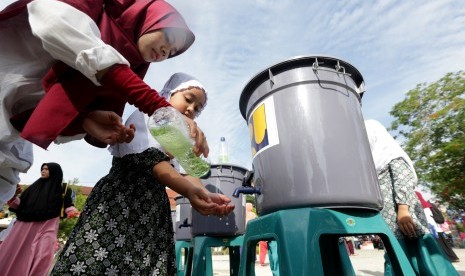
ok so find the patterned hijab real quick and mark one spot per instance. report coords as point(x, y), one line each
point(43, 199)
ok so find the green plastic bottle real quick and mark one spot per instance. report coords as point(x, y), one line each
point(170, 129)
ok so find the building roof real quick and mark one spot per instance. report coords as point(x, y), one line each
point(85, 190)
point(171, 195)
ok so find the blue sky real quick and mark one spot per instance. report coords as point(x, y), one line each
point(394, 44)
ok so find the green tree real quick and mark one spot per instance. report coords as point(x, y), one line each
point(431, 122)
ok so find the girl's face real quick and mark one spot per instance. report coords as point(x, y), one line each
point(44, 173)
point(161, 44)
point(189, 102)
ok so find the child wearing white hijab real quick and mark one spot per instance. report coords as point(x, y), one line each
point(128, 212)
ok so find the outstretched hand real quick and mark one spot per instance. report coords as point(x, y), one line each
point(201, 145)
point(223, 202)
point(106, 127)
point(207, 203)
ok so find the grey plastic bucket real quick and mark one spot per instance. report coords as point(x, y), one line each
point(183, 220)
point(223, 179)
point(308, 138)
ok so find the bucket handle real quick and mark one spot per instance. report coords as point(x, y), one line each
point(225, 176)
point(339, 69)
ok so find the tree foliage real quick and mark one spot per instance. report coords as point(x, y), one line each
point(431, 122)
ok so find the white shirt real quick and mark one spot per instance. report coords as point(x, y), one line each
point(30, 43)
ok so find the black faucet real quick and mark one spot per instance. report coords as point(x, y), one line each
point(246, 190)
point(184, 224)
point(246, 187)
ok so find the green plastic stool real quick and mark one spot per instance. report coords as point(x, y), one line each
point(202, 262)
point(183, 267)
point(307, 240)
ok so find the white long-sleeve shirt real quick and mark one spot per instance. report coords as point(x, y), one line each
point(30, 43)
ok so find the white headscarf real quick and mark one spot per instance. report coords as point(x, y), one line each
point(142, 138)
point(384, 147)
point(178, 82)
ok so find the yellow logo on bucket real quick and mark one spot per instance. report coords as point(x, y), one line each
point(258, 129)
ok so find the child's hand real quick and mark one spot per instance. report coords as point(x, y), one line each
point(201, 145)
point(200, 200)
point(208, 203)
point(106, 127)
point(405, 221)
point(224, 208)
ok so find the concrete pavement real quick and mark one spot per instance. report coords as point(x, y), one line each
point(365, 262)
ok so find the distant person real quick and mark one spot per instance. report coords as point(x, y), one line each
point(402, 210)
point(68, 68)
point(249, 213)
point(128, 212)
point(28, 249)
point(436, 229)
point(350, 245)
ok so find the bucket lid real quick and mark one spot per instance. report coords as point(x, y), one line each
point(296, 62)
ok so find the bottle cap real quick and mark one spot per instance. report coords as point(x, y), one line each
point(222, 139)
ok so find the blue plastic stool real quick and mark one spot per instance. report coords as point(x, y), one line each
point(202, 261)
point(307, 240)
point(183, 267)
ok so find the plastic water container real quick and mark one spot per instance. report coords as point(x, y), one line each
point(223, 179)
point(170, 129)
point(183, 219)
point(308, 138)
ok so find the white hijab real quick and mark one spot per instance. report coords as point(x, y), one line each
point(142, 138)
point(384, 147)
point(178, 82)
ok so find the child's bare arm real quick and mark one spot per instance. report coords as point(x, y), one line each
point(171, 178)
point(200, 198)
